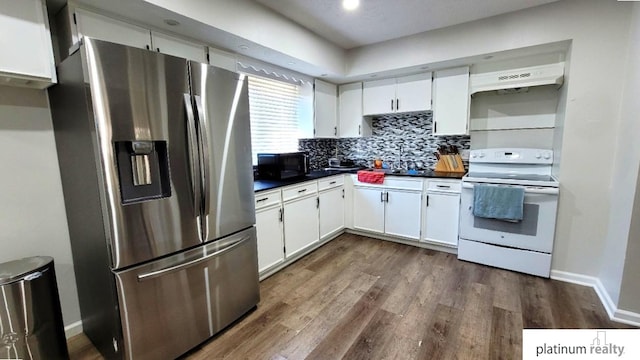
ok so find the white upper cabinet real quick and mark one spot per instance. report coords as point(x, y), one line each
point(405, 94)
point(104, 28)
point(378, 97)
point(451, 101)
point(116, 31)
point(170, 45)
point(25, 40)
point(351, 122)
point(325, 109)
point(223, 59)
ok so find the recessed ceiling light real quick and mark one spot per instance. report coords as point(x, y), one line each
point(350, 4)
point(243, 47)
point(171, 22)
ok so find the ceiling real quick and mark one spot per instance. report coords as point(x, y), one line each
point(380, 20)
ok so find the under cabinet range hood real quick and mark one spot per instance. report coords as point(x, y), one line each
point(516, 80)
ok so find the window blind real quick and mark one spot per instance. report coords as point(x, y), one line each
point(278, 111)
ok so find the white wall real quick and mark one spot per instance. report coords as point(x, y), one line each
point(33, 220)
point(623, 234)
point(599, 34)
point(254, 22)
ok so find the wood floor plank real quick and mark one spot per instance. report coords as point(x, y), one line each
point(362, 298)
point(372, 341)
point(506, 335)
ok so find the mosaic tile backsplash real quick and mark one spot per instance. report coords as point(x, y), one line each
point(400, 140)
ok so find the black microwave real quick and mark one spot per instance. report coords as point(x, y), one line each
point(280, 166)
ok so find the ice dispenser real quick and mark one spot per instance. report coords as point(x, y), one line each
point(143, 170)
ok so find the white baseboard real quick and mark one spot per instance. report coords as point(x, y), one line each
point(615, 314)
point(73, 329)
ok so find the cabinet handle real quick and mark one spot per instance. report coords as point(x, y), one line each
point(359, 129)
point(317, 203)
point(391, 104)
point(443, 186)
point(301, 191)
point(381, 196)
point(343, 193)
point(435, 127)
point(148, 47)
point(397, 104)
point(427, 200)
point(331, 183)
point(263, 199)
point(386, 197)
point(335, 130)
point(281, 214)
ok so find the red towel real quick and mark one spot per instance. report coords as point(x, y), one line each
point(373, 177)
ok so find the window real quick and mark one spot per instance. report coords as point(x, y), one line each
point(281, 113)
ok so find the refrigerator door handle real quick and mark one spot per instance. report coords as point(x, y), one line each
point(204, 151)
point(178, 267)
point(194, 162)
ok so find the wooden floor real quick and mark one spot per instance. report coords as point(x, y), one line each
point(361, 298)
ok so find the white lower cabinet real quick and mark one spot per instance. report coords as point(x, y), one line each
point(368, 209)
point(269, 229)
point(402, 213)
point(331, 211)
point(270, 237)
point(388, 211)
point(301, 226)
point(442, 209)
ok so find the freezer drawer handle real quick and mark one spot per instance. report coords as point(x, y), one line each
point(187, 264)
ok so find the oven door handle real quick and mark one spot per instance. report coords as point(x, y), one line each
point(527, 190)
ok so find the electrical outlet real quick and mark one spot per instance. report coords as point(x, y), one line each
point(464, 154)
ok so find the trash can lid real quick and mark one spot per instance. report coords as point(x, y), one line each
point(16, 270)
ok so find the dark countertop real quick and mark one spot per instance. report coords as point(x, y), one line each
point(262, 185)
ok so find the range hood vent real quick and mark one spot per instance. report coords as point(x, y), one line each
point(515, 79)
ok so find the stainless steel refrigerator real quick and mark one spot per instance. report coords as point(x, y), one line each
point(155, 157)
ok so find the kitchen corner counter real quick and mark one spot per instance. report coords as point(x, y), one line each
point(262, 185)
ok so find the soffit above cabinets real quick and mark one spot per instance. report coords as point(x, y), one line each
point(381, 20)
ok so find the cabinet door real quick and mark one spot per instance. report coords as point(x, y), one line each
point(170, 45)
point(368, 209)
point(451, 101)
point(378, 97)
point(402, 214)
point(25, 40)
point(325, 109)
point(104, 28)
point(301, 228)
point(351, 121)
point(441, 218)
point(331, 211)
point(270, 240)
point(413, 93)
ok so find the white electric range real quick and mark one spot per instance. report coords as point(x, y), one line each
point(523, 246)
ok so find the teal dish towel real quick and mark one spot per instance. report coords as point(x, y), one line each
point(498, 202)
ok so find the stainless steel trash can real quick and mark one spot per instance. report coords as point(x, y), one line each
point(30, 316)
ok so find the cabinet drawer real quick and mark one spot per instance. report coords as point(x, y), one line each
point(267, 198)
point(393, 182)
point(443, 185)
point(331, 182)
point(297, 191)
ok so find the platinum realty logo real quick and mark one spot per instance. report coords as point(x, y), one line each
point(580, 344)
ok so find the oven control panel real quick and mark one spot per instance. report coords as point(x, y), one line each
point(511, 156)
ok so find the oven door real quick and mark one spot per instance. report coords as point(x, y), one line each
point(535, 231)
